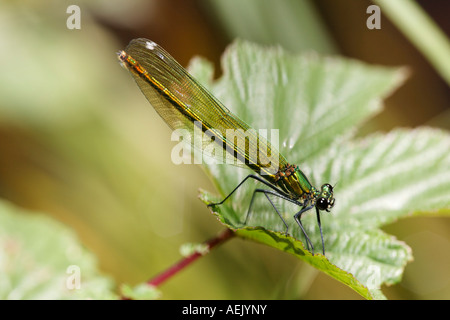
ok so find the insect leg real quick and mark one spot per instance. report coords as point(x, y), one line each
point(266, 192)
point(297, 218)
point(320, 228)
point(252, 176)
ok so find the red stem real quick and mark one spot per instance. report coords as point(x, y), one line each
point(180, 265)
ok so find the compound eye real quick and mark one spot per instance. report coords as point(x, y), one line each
point(322, 204)
point(328, 187)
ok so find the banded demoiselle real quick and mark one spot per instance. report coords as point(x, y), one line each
point(184, 103)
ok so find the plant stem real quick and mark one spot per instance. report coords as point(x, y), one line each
point(180, 265)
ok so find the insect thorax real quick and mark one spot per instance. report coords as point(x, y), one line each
point(293, 182)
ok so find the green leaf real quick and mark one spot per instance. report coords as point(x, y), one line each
point(42, 259)
point(318, 104)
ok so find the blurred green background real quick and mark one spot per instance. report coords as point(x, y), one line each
point(79, 141)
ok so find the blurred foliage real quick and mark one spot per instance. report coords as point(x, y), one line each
point(294, 25)
point(42, 259)
point(422, 31)
point(79, 142)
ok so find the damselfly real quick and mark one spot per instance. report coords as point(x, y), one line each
point(182, 102)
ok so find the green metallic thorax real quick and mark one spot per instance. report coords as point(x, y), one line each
point(293, 182)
